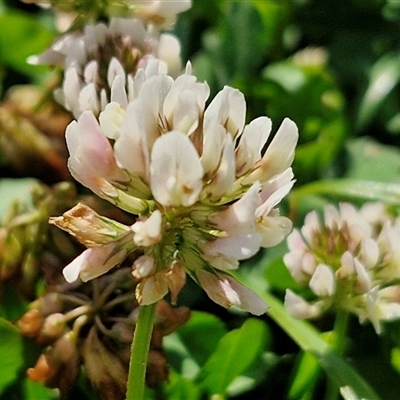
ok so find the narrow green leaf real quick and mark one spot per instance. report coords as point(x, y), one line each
point(308, 338)
point(307, 370)
point(11, 357)
point(349, 189)
point(236, 352)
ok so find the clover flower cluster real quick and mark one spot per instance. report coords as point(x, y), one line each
point(203, 185)
point(99, 63)
point(196, 177)
point(349, 261)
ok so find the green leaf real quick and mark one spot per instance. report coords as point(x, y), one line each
point(20, 37)
point(385, 75)
point(11, 358)
point(180, 388)
point(235, 353)
point(372, 161)
point(35, 391)
point(190, 346)
point(307, 370)
point(339, 371)
point(349, 189)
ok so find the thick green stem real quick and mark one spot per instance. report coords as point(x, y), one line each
point(139, 352)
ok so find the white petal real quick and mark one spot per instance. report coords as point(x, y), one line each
point(176, 172)
point(273, 229)
point(300, 308)
point(279, 154)
point(238, 218)
point(223, 181)
point(228, 108)
point(251, 143)
point(323, 282)
point(239, 247)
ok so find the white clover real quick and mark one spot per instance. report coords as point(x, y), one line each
point(350, 260)
point(204, 190)
point(101, 62)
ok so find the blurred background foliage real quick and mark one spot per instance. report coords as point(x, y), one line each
point(333, 66)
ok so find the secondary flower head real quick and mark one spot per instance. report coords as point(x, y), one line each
point(100, 62)
point(158, 12)
point(198, 178)
point(349, 261)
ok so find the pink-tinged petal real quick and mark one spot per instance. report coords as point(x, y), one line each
point(251, 143)
point(227, 291)
point(228, 108)
point(238, 218)
point(94, 262)
point(147, 232)
point(238, 247)
point(323, 281)
point(176, 173)
point(91, 158)
point(300, 308)
point(279, 154)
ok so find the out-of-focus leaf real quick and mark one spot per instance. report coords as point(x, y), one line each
point(303, 89)
point(12, 190)
point(307, 370)
point(20, 37)
point(372, 161)
point(36, 391)
point(226, 46)
point(235, 353)
point(258, 372)
point(180, 388)
point(348, 189)
point(11, 359)
point(190, 346)
point(385, 75)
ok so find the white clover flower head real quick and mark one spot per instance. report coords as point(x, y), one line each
point(349, 260)
point(100, 63)
point(204, 190)
point(157, 12)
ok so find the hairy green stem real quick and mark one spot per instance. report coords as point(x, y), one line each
point(139, 352)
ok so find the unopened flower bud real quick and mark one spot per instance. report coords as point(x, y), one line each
point(53, 326)
point(31, 322)
point(89, 228)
